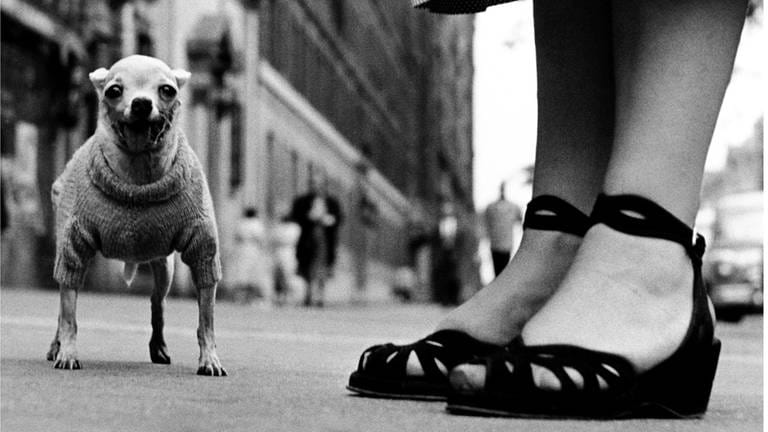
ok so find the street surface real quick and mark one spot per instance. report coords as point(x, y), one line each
point(287, 372)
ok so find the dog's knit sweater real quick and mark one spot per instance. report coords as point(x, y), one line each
point(97, 211)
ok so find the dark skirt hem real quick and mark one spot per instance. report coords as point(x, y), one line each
point(457, 6)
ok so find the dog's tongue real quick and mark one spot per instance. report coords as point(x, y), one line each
point(141, 135)
point(140, 125)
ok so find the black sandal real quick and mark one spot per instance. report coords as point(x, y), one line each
point(679, 387)
point(382, 369)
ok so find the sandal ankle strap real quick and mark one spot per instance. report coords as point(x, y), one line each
point(635, 215)
point(550, 213)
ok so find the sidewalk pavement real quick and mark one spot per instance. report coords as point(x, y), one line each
point(287, 372)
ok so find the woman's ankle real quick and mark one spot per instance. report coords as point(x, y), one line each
point(497, 313)
point(626, 295)
point(657, 265)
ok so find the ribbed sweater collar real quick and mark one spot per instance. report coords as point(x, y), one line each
point(104, 178)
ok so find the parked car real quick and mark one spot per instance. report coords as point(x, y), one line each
point(734, 262)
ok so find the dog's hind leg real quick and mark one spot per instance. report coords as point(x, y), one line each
point(63, 351)
point(162, 269)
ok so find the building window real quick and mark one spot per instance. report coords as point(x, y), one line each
point(144, 44)
point(294, 173)
point(272, 173)
point(338, 15)
point(8, 137)
point(311, 177)
point(236, 153)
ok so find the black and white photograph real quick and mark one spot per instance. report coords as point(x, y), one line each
point(401, 215)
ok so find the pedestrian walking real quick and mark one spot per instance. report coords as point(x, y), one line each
point(250, 274)
point(319, 216)
point(285, 235)
point(605, 315)
point(501, 218)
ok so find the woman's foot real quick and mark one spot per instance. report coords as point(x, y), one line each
point(486, 322)
point(623, 294)
point(553, 230)
point(496, 314)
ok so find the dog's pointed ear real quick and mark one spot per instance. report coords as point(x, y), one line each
point(99, 78)
point(181, 76)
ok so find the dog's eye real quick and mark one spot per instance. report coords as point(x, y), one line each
point(113, 92)
point(167, 91)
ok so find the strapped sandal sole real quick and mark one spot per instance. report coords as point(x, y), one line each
point(647, 410)
point(490, 406)
point(413, 388)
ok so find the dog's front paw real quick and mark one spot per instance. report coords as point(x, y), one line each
point(211, 366)
point(66, 359)
point(158, 352)
point(53, 351)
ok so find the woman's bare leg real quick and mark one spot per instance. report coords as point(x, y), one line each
point(632, 295)
point(575, 130)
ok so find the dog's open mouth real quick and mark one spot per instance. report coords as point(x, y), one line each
point(142, 135)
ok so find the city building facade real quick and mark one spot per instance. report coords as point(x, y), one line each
point(372, 101)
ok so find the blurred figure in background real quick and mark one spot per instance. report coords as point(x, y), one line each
point(445, 275)
point(22, 220)
point(250, 276)
point(501, 217)
point(285, 235)
point(318, 215)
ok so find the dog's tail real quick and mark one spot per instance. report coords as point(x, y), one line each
point(129, 272)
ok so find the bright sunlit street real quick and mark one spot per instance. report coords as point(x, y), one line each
point(287, 371)
point(268, 188)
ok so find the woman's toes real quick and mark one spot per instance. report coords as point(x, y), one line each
point(467, 378)
point(545, 379)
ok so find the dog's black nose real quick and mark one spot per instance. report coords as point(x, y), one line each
point(141, 108)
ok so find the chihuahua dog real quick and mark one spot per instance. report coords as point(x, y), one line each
point(135, 191)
